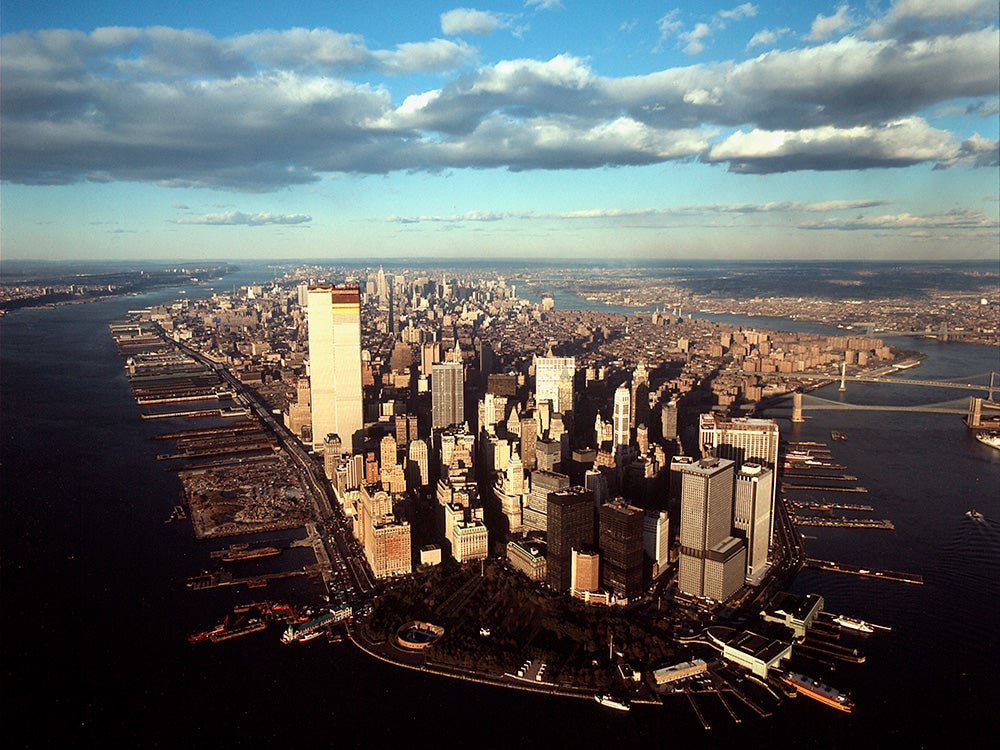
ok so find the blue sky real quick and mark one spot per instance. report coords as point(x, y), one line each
point(546, 128)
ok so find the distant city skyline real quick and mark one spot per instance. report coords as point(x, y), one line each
point(557, 129)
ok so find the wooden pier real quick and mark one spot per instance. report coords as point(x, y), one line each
point(887, 575)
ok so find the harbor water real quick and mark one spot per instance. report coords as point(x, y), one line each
point(96, 613)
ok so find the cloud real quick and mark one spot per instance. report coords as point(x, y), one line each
point(543, 4)
point(823, 27)
point(921, 17)
point(898, 144)
point(767, 37)
point(626, 213)
point(697, 37)
point(471, 21)
point(957, 218)
point(262, 111)
point(238, 218)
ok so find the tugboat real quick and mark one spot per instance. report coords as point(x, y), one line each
point(974, 514)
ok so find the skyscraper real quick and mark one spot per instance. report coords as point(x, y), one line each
point(621, 416)
point(752, 515)
point(570, 526)
point(743, 440)
point(335, 364)
point(447, 395)
point(709, 554)
point(550, 372)
point(620, 542)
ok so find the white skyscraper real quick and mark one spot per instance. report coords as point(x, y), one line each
point(622, 412)
point(752, 515)
point(335, 364)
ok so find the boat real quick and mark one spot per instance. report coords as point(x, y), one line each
point(838, 435)
point(991, 439)
point(974, 514)
point(606, 700)
point(234, 554)
point(310, 636)
point(853, 623)
point(819, 691)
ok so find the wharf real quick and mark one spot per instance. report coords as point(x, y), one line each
point(191, 413)
point(888, 575)
point(824, 477)
point(844, 523)
point(830, 506)
point(821, 488)
point(225, 578)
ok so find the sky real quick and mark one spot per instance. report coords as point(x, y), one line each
point(539, 129)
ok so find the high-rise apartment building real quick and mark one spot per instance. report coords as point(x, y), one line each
point(620, 543)
point(570, 526)
point(709, 554)
point(447, 395)
point(335, 364)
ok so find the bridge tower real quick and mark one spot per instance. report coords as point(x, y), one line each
point(843, 376)
point(797, 407)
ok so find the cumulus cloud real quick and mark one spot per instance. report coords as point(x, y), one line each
point(696, 38)
point(470, 21)
point(238, 218)
point(896, 144)
point(823, 27)
point(921, 17)
point(262, 111)
point(767, 37)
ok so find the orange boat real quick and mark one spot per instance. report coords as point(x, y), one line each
point(819, 691)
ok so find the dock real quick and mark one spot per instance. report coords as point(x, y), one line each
point(821, 488)
point(887, 575)
point(823, 506)
point(844, 523)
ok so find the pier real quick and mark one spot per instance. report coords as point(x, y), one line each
point(823, 506)
point(887, 575)
point(844, 523)
point(821, 488)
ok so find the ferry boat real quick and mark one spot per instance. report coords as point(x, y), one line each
point(854, 623)
point(606, 700)
point(991, 439)
point(819, 691)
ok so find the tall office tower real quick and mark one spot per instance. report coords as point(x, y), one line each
point(570, 526)
point(529, 438)
point(597, 483)
point(543, 417)
point(620, 543)
point(640, 396)
point(743, 440)
point(510, 491)
point(656, 539)
point(447, 395)
point(430, 354)
point(752, 515)
point(620, 418)
point(548, 454)
point(642, 438)
point(668, 416)
point(298, 414)
point(387, 453)
point(585, 570)
point(302, 291)
point(418, 464)
point(708, 551)
point(399, 425)
point(536, 507)
point(385, 540)
point(550, 372)
point(335, 364)
point(382, 287)
point(331, 455)
point(494, 410)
